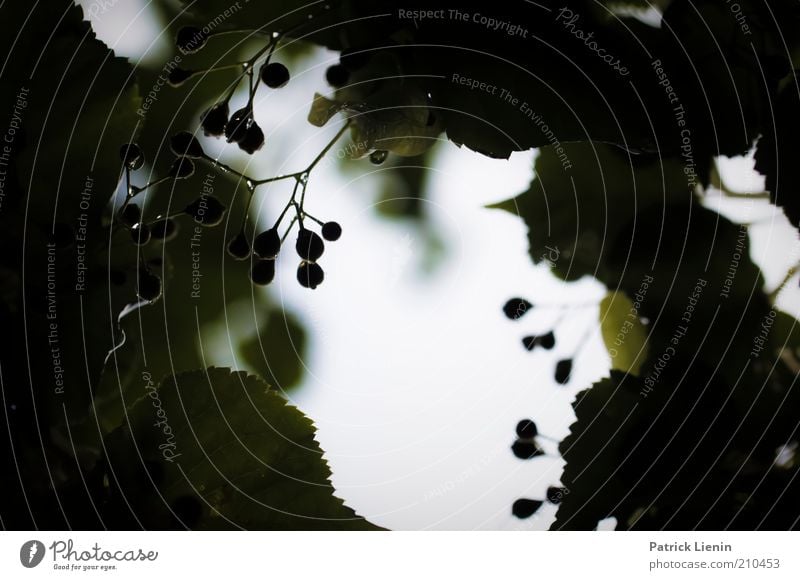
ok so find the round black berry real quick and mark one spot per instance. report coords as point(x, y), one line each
point(267, 244)
point(190, 39)
point(526, 449)
point(563, 371)
point(548, 340)
point(130, 214)
point(140, 233)
point(516, 307)
point(525, 508)
point(378, 157)
point(331, 231)
point(236, 128)
point(556, 494)
point(274, 75)
point(263, 272)
point(178, 76)
point(214, 120)
point(164, 230)
point(253, 139)
point(526, 429)
point(337, 76)
point(206, 210)
point(132, 156)
point(309, 245)
point(184, 144)
point(353, 58)
point(239, 247)
point(182, 168)
point(530, 342)
point(310, 274)
point(149, 285)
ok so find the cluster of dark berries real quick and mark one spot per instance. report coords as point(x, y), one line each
point(524, 508)
point(209, 211)
point(515, 309)
point(242, 129)
point(205, 210)
point(217, 121)
point(526, 447)
point(267, 245)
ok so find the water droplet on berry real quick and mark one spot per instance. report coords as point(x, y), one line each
point(378, 157)
point(236, 128)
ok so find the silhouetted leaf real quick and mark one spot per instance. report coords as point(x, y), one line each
point(778, 151)
point(583, 196)
point(224, 438)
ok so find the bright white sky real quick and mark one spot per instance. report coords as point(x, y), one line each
point(416, 380)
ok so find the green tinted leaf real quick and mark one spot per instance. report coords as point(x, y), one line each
point(322, 109)
point(623, 333)
point(277, 351)
point(396, 119)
